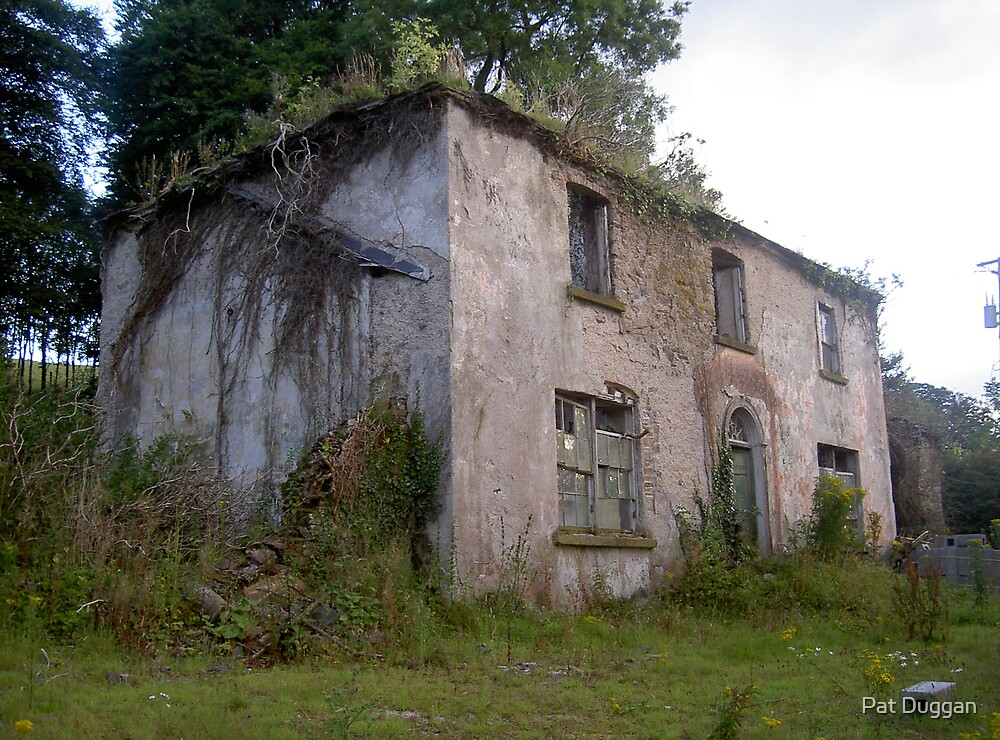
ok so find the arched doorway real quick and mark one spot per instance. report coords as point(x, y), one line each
point(744, 439)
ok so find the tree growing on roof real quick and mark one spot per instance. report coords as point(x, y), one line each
point(186, 73)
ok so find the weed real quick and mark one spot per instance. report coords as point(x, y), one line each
point(418, 53)
point(714, 541)
point(348, 708)
point(877, 674)
point(873, 533)
point(977, 573)
point(732, 711)
point(514, 574)
point(921, 608)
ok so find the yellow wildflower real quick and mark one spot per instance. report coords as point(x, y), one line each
point(24, 725)
point(771, 722)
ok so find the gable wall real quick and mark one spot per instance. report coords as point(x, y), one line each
point(257, 346)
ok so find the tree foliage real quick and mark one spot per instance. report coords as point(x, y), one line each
point(525, 41)
point(968, 431)
point(185, 73)
point(49, 72)
point(582, 62)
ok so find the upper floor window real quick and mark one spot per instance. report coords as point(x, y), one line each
point(596, 457)
point(730, 300)
point(588, 240)
point(829, 341)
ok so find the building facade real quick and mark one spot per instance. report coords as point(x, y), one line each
point(580, 344)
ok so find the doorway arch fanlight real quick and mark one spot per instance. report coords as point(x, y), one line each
point(743, 437)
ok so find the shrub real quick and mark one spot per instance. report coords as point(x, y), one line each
point(830, 533)
point(715, 536)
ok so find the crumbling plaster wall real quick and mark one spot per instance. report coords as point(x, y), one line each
point(517, 337)
point(233, 358)
point(797, 405)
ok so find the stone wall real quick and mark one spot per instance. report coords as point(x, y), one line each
point(917, 468)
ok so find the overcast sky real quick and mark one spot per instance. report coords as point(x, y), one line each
point(851, 130)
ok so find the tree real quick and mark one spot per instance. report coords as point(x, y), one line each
point(525, 41)
point(48, 118)
point(968, 431)
point(582, 62)
point(185, 73)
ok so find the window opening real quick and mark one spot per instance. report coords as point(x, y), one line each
point(738, 430)
point(588, 241)
point(842, 464)
point(596, 461)
point(730, 299)
point(829, 351)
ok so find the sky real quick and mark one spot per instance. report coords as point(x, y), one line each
point(855, 130)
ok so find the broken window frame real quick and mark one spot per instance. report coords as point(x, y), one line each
point(842, 463)
point(829, 339)
point(589, 241)
point(730, 297)
point(597, 464)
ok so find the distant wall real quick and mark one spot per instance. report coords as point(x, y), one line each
point(956, 564)
point(916, 477)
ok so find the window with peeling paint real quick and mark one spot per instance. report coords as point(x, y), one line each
point(730, 299)
point(842, 464)
point(828, 340)
point(588, 240)
point(596, 458)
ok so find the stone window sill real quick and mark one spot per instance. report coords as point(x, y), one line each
point(833, 377)
point(608, 301)
point(587, 539)
point(727, 341)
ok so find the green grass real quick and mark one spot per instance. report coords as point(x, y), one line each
point(788, 639)
point(81, 373)
point(635, 671)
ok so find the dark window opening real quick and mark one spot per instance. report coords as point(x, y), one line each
point(828, 340)
point(588, 241)
point(730, 299)
point(842, 464)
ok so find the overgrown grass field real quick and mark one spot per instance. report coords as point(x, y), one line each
point(622, 670)
point(129, 608)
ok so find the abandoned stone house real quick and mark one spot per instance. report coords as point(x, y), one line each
point(580, 344)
